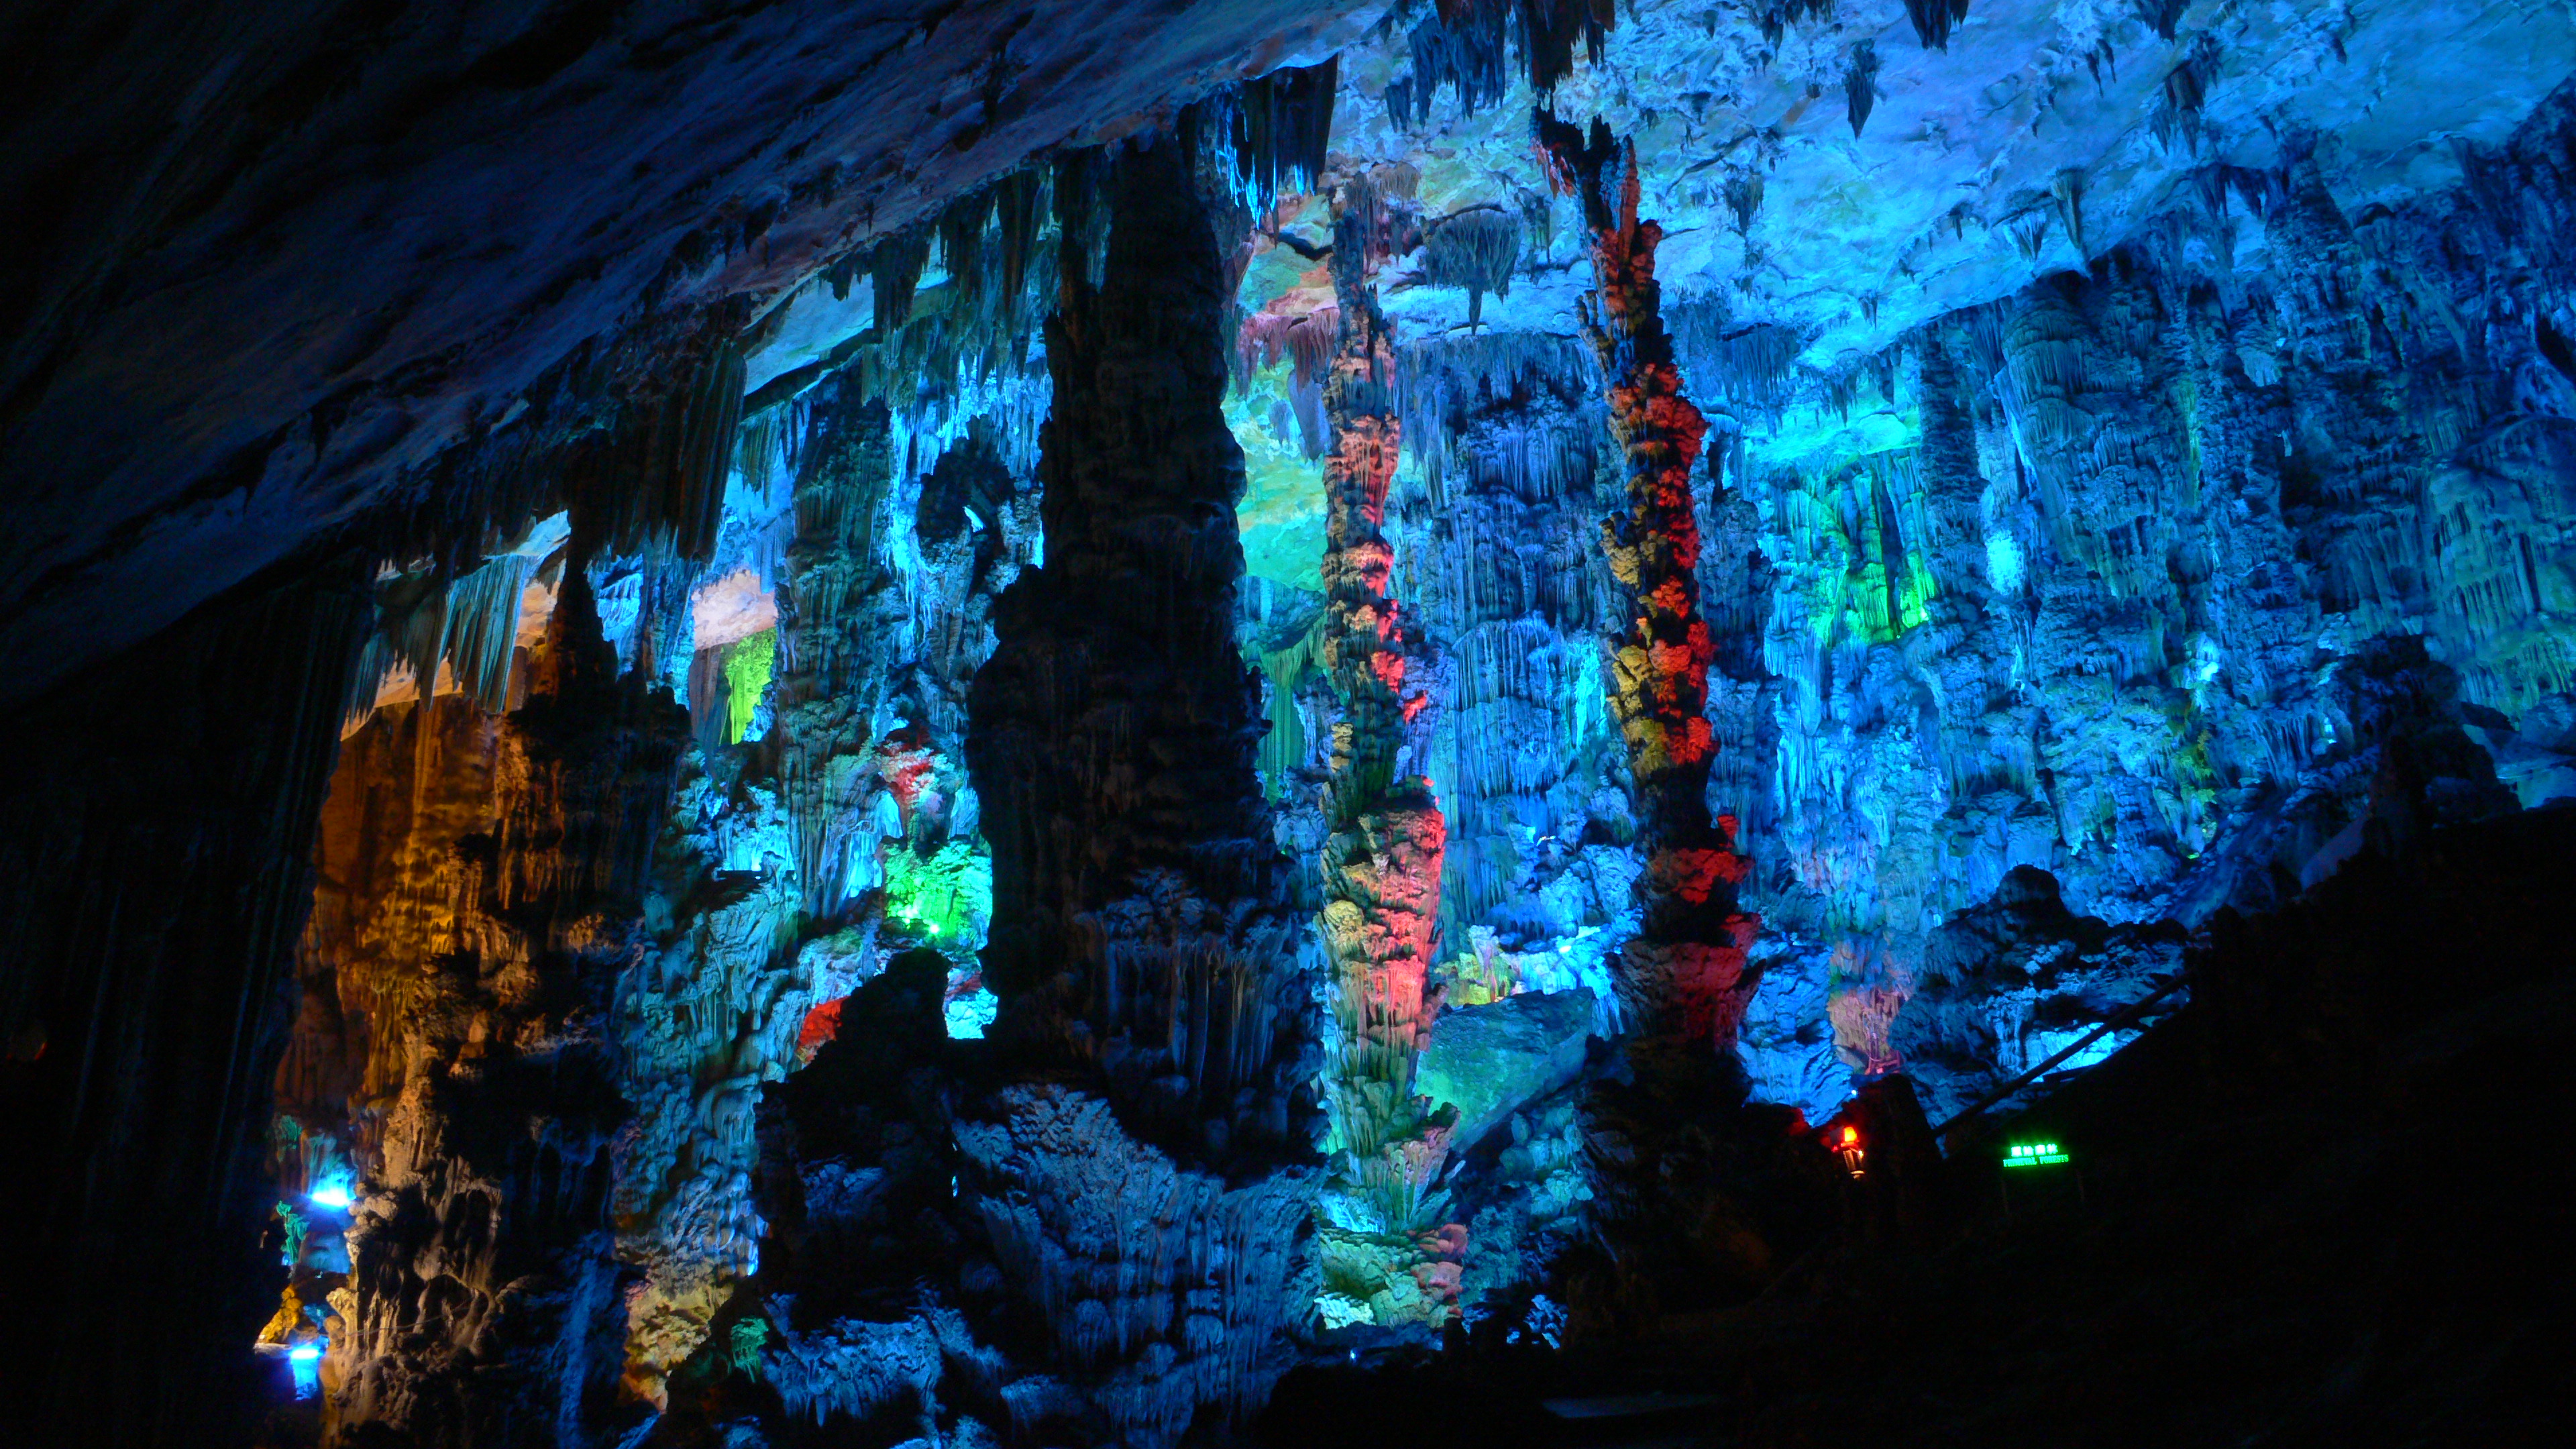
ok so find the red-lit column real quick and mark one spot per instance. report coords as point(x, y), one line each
point(1684, 984)
point(1381, 863)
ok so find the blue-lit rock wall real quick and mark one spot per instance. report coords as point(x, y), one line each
point(2075, 572)
point(2100, 609)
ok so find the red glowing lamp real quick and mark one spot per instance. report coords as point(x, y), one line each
point(1848, 1148)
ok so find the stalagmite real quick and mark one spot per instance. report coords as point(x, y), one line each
point(1860, 84)
point(487, 878)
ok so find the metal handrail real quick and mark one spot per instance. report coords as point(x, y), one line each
point(2113, 1023)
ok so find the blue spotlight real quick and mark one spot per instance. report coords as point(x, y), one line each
point(304, 1361)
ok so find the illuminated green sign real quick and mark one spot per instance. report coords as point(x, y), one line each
point(2033, 1154)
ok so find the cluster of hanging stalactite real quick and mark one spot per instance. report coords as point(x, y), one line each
point(2170, 479)
point(1469, 46)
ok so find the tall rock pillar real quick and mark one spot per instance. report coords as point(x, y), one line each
point(1682, 981)
point(1145, 1192)
point(1683, 987)
point(1381, 861)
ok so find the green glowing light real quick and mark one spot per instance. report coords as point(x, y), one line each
point(747, 667)
point(2034, 1154)
point(947, 895)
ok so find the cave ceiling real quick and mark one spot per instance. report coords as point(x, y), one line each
point(289, 255)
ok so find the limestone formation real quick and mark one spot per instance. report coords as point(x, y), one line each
point(1149, 1207)
point(980, 725)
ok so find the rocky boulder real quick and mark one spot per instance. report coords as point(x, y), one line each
point(1490, 1061)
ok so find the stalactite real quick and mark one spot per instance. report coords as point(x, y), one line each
point(2067, 187)
point(2176, 115)
point(1443, 387)
point(1468, 56)
point(655, 484)
point(1305, 341)
point(410, 625)
point(894, 270)
point(483, 628)
point(953, 356)
point(1776, 16)
point(1860, 84)
point(1744, 200)
point(1277, 126)
point(2164, 15)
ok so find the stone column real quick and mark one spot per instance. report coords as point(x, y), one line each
point(1139, 919)
point(1682, 980)
point(1683, 988)
point(1144, 1189)
point(1381, 862)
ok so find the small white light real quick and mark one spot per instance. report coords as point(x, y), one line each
point(331, 1195)
point(305, 1353)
